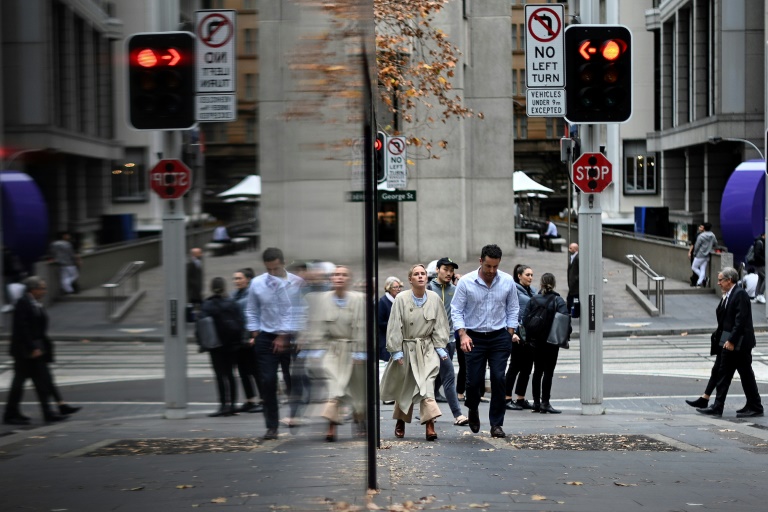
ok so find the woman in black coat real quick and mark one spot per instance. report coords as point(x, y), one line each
point(228, 319)
point(545, 354)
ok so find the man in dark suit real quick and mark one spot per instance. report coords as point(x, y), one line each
point(737, 339)
point(195, 277)
point(573, 279)
point(29, 348)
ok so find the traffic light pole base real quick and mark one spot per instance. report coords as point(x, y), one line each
point(592, 409)
point(175, 414)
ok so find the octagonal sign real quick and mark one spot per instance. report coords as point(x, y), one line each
point(592, 173)
point(170, 178)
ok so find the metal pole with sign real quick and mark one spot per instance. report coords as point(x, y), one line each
point(216, 58)
point(395, 161)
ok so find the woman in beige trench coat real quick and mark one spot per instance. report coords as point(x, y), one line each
point(336, 325)
point(416, 337)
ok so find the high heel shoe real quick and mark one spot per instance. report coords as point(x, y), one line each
point(400, 429)
point(431, 434)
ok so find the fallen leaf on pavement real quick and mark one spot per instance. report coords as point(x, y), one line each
point(372, 506)
point(574, 483)
point(479, 505)
point(683, 334)
point(219, 500)
point(488, 449)
point(135, 488)
point(726, 430)
point(184, 486)
point(621, 484)
point(538, 497)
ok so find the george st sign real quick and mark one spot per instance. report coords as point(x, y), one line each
point(170, 179)
point(592, 173)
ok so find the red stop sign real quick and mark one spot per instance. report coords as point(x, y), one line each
point(592, 173)
point(170, 179)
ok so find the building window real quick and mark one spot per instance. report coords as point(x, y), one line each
point(514, 37)
point(129, 183)
point(521, 31)
point(523, 127)
point(250, 130)
point(640, 175)
point(550, 127)
point(514, 83)
point(249, 5)
point(250, 41)
point(250, 86)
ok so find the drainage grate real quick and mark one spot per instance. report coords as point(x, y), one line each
point(175, 446)
point(592, 442)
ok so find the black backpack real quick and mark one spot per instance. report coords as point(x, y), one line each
point(538, 317)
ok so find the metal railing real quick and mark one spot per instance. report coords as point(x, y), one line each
point(639, 263)
point(122, 286)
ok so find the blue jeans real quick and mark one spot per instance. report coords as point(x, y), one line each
point(491, 349)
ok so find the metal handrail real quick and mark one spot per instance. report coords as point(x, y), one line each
point(639, 263)
point(122, 285)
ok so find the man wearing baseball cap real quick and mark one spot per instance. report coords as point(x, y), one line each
point(443, 285)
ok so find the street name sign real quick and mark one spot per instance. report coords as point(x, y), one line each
point(397, 196)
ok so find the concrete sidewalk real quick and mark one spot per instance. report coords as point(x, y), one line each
point(688, 309)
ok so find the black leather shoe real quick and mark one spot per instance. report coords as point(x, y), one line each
point(523, 403)
point(536, 407)
point(700, 402)
point(513, 406)
point(223, 411)
point(247, 407)
point(497, 432)
point(54, 418)
point(271, 434)
point(68, 409)
point(474, 420)
point(743, 409)
point(749, 413)
point(546, 408)
point(15, 420)
point(712, 410)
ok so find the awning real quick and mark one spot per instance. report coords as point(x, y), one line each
point(521, 182)
point(249, 187)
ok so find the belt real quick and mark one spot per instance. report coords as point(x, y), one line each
point(490, 334)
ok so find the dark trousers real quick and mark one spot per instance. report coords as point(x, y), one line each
point(713, 375)
point(246, 368)
point(23, 369)
point(520, 364)
point(267, 363)
point(461, 376)
point(543, 241)
point(738, 361)
point(545, 360)
point(223, 363)
point(490, 349)
point(569, 304)
point(285, 366)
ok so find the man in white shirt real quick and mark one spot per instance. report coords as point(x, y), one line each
point(551, 232)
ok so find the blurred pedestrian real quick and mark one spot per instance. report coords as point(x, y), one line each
point(392, 287)
point(443, 285)
point(220, 234)
point(735, 335)
point(572, 300)
point(31, 350)
point(484, 311)
point(195, 277)
point(246, 358)
point(705, 245)
point(521, 355)
point(548, 233)
point(416, 337)
point(64, 255)
point(337, 326)
point(229, 322)
point(545, 354)
point(268, 317)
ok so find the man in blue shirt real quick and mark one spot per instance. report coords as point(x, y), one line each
point(550, 232)
point(268, 318)
point(484, 310)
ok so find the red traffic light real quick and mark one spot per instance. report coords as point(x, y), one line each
point(613, 49)
point(378, 144)
point(149, 58)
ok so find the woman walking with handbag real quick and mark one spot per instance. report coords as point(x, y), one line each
point(416, 337)
point(545, 306)
point(228, 325)
point(521, 355)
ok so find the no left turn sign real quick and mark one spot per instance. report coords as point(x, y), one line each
point(544, 46)
point(215, 30)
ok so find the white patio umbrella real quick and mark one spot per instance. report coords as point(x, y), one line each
point(247, 190)
point(521, 182)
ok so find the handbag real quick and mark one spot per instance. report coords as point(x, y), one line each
point(207, 336)
point(558, 333)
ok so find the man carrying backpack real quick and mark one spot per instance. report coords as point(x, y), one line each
point(756, 258)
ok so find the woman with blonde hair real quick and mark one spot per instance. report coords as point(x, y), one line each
point(417, 334)
point(392, 287)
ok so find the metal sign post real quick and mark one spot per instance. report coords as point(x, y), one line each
point(175, 335)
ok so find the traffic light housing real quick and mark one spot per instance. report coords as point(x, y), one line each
point(598, 73)
point(379, 161)
point(161, 80)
